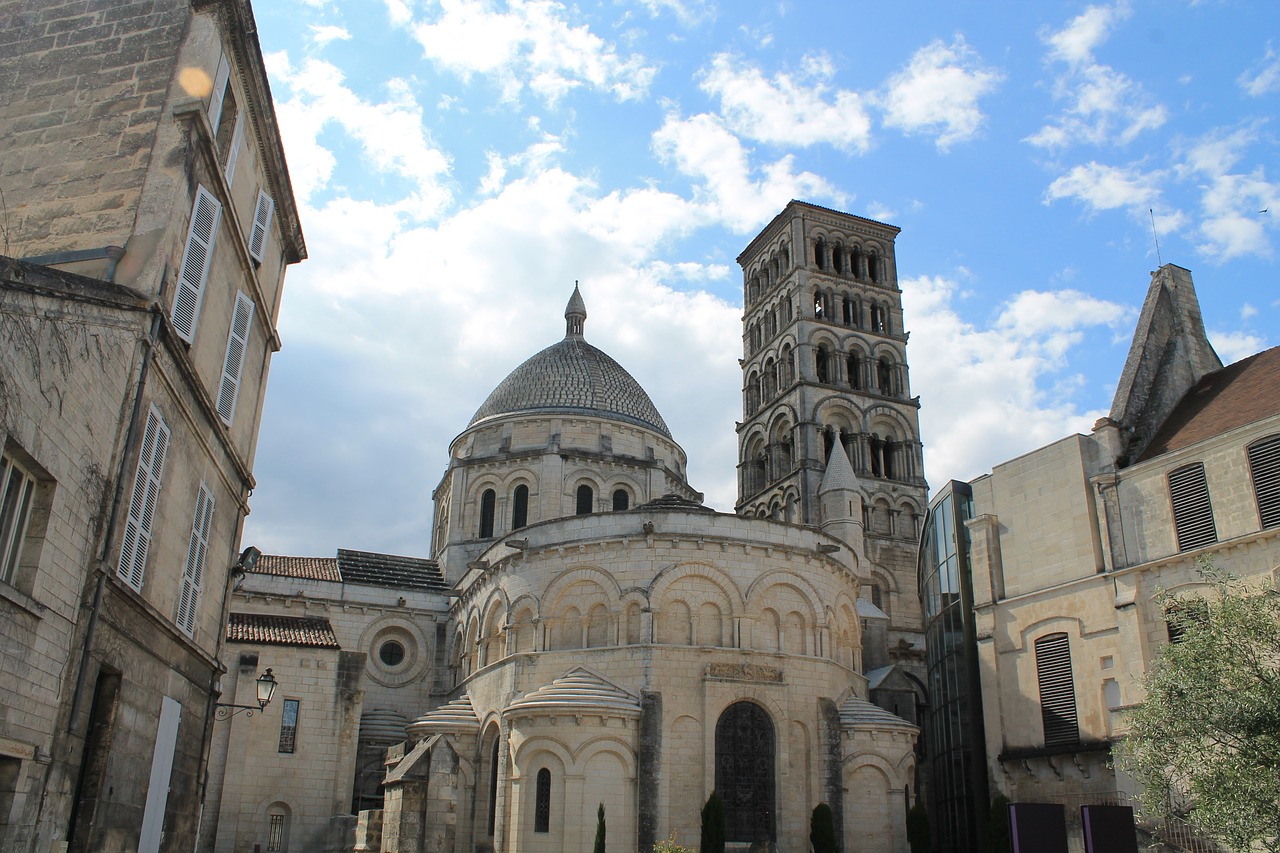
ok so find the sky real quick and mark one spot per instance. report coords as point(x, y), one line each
point(459, 164)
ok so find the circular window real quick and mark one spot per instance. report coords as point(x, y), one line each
point(391, 653)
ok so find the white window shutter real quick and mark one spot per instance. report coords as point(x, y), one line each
point(262, 213)
point(237, 142)
point(197, 551)
point(233, 365)
point(196, 261)
point(152, 833)
point(219, 91)
point(142, 506)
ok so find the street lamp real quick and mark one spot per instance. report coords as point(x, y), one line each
point(266, 688)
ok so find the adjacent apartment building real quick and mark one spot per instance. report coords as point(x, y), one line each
point(146, 225)
point(1038, 579)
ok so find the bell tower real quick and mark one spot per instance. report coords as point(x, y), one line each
point(826, 386)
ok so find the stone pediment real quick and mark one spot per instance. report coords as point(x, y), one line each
point(579, 692)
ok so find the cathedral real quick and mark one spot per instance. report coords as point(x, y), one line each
point(606, 639)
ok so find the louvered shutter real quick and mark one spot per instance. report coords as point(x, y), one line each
point(237, 142)
point(1057, 691)
point(196, 261)
point(142, 506)
point(237, 340)
point(218, 93)
point(197, 550)
point(1264, 465)
point(1192, 511)
point(262, 213)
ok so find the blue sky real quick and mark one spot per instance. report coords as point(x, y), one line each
point(459, 164)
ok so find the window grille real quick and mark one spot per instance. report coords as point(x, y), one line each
point(1057, 691)
point(275, 834)
point(1264, 466)
point(17, 489)
point(542, 802)
point(289, 727)
point(1192, 511)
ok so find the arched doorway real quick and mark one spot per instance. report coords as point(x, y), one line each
point(745, 750)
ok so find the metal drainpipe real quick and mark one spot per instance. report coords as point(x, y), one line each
point(131, 438)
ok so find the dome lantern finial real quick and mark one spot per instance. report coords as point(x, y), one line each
point(575, 314)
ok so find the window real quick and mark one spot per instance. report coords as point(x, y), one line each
point(621, 500)
point(586, 500)
point(17, 492)
point(262, 213)
point(1057, 691)
point(233, 364)
point(142, 506)
point(493, 787)
point(488, 503)
point(196, 261)
point(520, 507)
point(275, 833)
point(542, 802)
point(1264, 466)
point(1192, 511)
point(197, 550)
point(289, 727)
point(225, 118)
point(391, 653)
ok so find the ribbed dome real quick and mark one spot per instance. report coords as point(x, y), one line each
point(573, 377)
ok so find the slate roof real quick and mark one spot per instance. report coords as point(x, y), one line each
point(271, 630)
point(363, 567)
point(573, 377)
point(857, 713)
point(674, 501)
point(1237, 395)
point(389, 570)
point(309, 568)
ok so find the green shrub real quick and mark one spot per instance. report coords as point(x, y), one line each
point(713, 825)
point(669, 845)
point(822, 829)
point(998, 840)
point(599, 848)
point(918, 835)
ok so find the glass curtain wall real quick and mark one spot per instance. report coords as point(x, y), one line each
point(955, 743)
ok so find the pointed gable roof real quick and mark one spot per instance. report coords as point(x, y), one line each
point(839, 473)
point(580, 691)
point(1170, 353)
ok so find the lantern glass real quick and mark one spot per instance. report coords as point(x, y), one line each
point(266, 688)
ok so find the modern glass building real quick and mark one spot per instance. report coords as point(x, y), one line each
point(955, 742)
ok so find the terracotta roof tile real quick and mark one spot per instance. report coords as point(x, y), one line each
point(310, 568)
point(1237, 395)
point(272, 630)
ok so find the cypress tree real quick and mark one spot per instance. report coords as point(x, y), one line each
point(713, 825)
point(599, 848)
point(822, 829)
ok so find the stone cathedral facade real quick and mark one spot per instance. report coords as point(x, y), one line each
point(608, 639)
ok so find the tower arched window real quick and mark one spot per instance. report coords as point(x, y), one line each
point(488, 506)
point(788, 366)
point(848, 310)
point(879, 319)
point(819, 254)
point(586, 500)
point(875, 267)
point(520, 507)
point(621, 500)
point(786, 257)
point(855, 371)
point(820, 365)
point(837, 258)
point(819, 306)
point(884, 376)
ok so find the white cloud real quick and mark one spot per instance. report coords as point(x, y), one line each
point(1248, 311)
point(1103, 105)
point(788, 110)
point(390, 133)
point(1231, 225)
point(938, 93)
point(323, 34)
point(1075, 43)
point(1264, 77)
point(531, 44)
point(1103, 187)
point(1233, 346)
point(687, 12)
point(991, 394)
point(732, 192)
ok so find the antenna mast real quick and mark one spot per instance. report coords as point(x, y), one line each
point(1156, 236)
